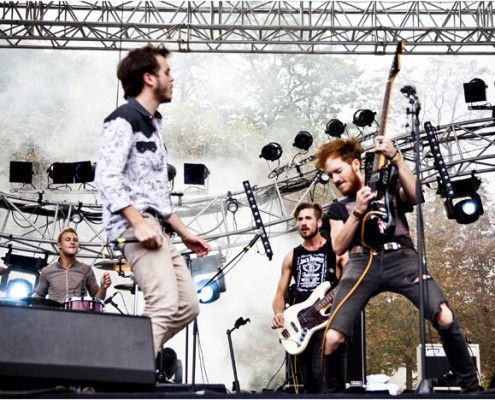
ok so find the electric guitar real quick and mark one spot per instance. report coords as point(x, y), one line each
point(378, 225)
point(303, 319)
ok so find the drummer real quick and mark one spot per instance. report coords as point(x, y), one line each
point(67, 277)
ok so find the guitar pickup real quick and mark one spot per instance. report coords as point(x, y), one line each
point(294, 326)
point(285, 334)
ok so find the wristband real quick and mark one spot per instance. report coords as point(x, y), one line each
point(357, 215)
point(391, 159)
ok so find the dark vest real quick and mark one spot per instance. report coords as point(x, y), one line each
point(310, 269)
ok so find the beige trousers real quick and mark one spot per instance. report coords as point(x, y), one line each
point(169, 292)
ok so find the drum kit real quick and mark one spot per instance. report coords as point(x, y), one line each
point(81, 303)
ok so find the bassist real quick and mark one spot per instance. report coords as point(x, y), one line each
point(309, 264)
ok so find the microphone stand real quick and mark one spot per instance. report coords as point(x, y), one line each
point(424, 386)
point(240, 321)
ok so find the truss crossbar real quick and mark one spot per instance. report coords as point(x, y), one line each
point(314, 27)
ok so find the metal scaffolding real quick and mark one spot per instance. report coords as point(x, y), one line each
point(30, 221)
point(304, 27)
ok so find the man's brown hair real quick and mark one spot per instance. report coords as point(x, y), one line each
point(348, 149)
point(303, 206)
point(137, 62)
point(63, 232)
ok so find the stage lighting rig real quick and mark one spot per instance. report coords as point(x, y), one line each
point(475, 92)
point(467, 210)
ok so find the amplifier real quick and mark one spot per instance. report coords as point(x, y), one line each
point(438, 367)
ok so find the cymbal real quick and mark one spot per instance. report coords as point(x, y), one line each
point(125, 286)
point(113, 265)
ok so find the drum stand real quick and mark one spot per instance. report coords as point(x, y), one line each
point(134, 289)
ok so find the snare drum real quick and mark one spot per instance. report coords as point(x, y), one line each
point(84, 304)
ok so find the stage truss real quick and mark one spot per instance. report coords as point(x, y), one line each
point(303, 27)
point(31, 220)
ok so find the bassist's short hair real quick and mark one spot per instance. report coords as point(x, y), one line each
point(303, 206)
point(348, 149)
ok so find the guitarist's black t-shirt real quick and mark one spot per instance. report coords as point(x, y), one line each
point(311, 268)
point(340, 211)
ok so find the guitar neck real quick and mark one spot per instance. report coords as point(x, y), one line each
point(325, 301)
point(379, 159)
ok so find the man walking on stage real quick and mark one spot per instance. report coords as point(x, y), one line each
point(131, 175)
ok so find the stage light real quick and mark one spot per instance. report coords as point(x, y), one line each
point(84, 172)
point(231, 203)
point(209, 282)
point(271, 152)
point(465, 211)
point(21, 172)
point(475, 91)
point(363, 117)
point(18, 288)
point(73, 172)
point(195, 174)
point(208, 292)
point(470, 207)
point(171, 172)
point(303, 140)
point(323, 178)
point(19, 283)
point(335, 128)
point(76, 217)
point(61, 173)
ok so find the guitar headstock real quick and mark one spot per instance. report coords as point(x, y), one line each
point(394, 70)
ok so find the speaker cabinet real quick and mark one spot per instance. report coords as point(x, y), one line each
point(438, 367)
point(43, 347)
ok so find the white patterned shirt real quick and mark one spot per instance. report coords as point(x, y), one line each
point(131, 168)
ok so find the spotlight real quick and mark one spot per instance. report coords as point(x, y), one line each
point(323, 178)
point(465, 211)
point(469, 209)
point(475, 91)
point(271, 152)
point(19, 283)
point(21, 172)
point(303, 140)
point(232, 204)
point(203, 270)
point(76, 217)
point(335, 128)
point(363, 117)
point(18, 288)
point(209, 293)
point(195, 174)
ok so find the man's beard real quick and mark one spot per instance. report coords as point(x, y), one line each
point(310, 235)
point(161, 95)
point(354, 186)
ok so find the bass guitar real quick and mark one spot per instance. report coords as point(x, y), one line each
point(303, 319)
point(378, 224)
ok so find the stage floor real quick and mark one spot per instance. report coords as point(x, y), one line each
point(198, 391)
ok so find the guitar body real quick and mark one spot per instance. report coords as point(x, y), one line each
point(378, 226)
point(303, 319)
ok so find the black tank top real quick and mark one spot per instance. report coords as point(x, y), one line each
point(311, 268)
